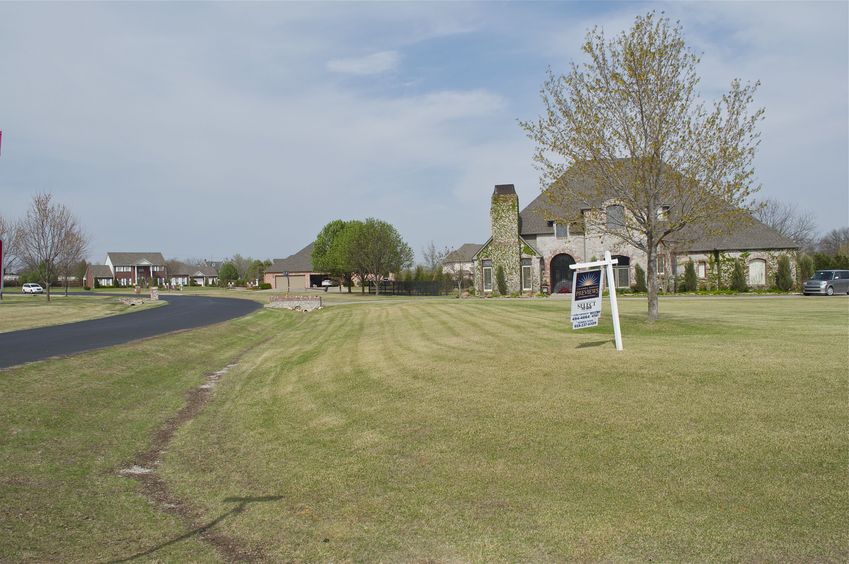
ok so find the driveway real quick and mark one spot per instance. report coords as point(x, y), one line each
point(182, 312)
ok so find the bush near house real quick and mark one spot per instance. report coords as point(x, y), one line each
point(640, 279)
point(783, 275)
point(738, 277)
point(501, 281)
point(691, 281)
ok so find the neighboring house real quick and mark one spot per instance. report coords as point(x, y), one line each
point(129, 269)
point(461, 261)
point(535, 251)
point(99, 275)
point(294, 272)
point(185, 275)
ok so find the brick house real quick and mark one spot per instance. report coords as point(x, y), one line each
point(535, 251)
point(128, 269)
point(294, 272)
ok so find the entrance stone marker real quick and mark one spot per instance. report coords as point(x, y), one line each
point(586, 302)
point(154, 293)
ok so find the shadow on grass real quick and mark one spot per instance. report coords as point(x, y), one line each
point(594, 344)
point(241, 504)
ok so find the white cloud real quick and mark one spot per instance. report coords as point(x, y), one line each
point(375, 63)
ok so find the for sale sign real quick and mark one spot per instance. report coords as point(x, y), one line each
point(587, 286)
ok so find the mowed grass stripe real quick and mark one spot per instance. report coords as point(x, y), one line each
point(68, 426)
point(531, 448)
point(714, 435)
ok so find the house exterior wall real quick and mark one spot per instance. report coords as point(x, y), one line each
point(726, 258)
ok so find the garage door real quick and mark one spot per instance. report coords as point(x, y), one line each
point(296, 283)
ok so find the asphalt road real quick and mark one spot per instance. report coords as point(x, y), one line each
point(181, 312)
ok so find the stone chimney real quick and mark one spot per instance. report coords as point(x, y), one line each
point(505, 248)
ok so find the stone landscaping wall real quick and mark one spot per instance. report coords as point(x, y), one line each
point(295, 303)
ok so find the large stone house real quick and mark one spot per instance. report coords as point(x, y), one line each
point(128, 269)
point(535, 251)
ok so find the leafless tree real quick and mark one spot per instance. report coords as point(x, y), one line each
point(631, 122)
point(835, 242)
point(434, 257)
point(74, 250)
point(46, 235)
point(8, 234)
point(795, 224)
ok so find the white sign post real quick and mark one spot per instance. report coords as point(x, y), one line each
point(587, 286)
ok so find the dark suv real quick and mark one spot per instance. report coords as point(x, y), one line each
point(827, 282)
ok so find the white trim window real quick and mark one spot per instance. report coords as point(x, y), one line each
point(487, 275)
point(561, 230)
point(526, 274)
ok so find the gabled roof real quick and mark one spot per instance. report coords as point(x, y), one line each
point(205, 270)
point(299, 262)
point(751, 234)
point(100, 271)
point(464, 254)
point(535, 218)
point(136, 259)
point(183, 269)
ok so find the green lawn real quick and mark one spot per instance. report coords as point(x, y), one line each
point(447, 430)
point(27, 311)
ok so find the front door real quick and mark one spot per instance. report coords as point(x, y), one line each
point(561, 274)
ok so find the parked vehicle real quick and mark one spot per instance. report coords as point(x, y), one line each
point(327, 282)
point(827, 282)
point(32, 288)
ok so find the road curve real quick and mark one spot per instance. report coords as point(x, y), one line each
point(182, 312)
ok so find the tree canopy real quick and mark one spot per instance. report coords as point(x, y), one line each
point(631, 118)
point(370, 249)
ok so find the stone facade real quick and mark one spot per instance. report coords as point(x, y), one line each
point(535, 259)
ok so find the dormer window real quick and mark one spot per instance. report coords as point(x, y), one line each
point(615, 218)
point(663, 213)
point(561, 230)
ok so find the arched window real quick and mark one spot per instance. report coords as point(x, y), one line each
point(757, 272)
point(560, 274)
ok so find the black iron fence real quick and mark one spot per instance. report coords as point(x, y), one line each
point(414, 287)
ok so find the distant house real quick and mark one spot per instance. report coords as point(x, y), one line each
point(460, 262)
point(128, 269)
point(294, 272)
point(99, 275)
point(185, 275)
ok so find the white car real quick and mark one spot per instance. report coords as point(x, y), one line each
point(327, 282)
point(32, 288)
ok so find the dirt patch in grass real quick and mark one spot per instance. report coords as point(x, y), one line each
point(144, 470)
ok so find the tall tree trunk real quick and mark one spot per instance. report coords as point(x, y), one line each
point(651, 277)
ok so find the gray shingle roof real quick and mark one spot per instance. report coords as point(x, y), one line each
point(183, 269)
point(133, 259)
point(464, 253)
point(100, 271)
point(752, 235)
point(299, 262)
point(535, 217)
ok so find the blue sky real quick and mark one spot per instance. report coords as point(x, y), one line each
point(204, 130)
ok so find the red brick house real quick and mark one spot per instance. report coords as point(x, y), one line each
point(128, 269)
